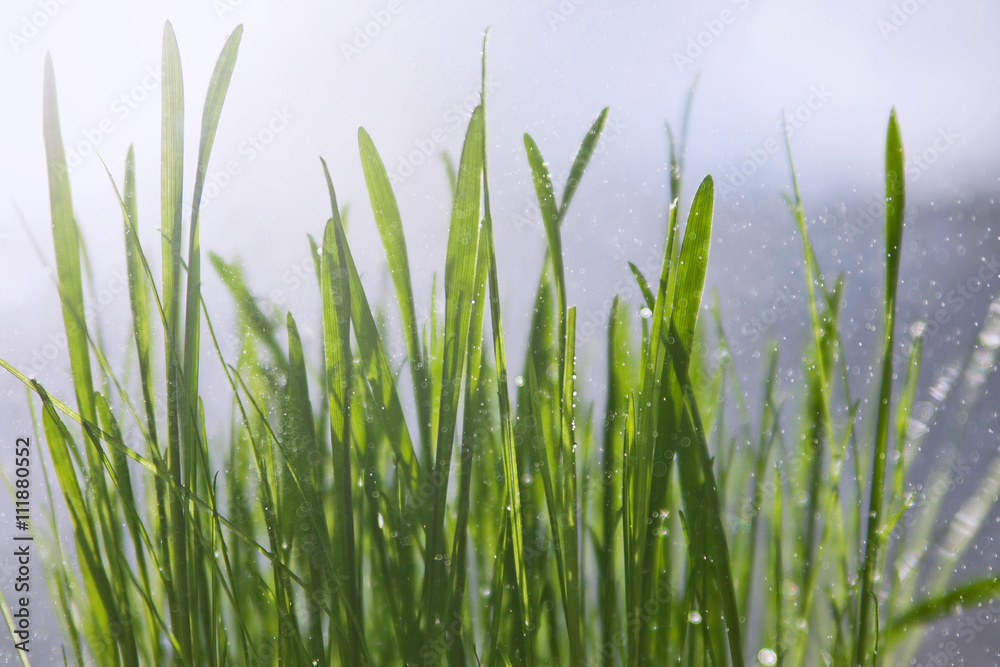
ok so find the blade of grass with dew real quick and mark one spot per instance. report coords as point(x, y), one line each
point(123, 483)
point(69, 453)
point(472, 425)
point(895, 201)
point(640, 441)
point(390, 228)
point(101, 608)
point(337, 350)
point(381, 379)
point(302, 450)
point(582, 159)
point(69, 283)
point(564, 518)
point(619, 371)
point(460, 269)
point(512, 479)
point(138, 298)
point(192, 446)
point(171, 202)
point(217, 88)
point(65, 238)
point(694, 463)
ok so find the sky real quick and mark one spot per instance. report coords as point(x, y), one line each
point(309, 74)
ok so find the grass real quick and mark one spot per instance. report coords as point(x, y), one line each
point(325, 523)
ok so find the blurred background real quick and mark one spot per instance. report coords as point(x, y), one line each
point(309, 74)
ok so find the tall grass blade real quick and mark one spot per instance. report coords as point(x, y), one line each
point(390, 228)
point(337, 350)
point(895, 201)
point(459, 278)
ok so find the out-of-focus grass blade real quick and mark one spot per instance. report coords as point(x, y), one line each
point(895, 197)
point(263, 325)
point(390, 228)
point(678, 149)
point(929, 610)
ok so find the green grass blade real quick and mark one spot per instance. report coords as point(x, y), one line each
point(459, 278)
point(929, 610)
point(583, 155)
point(381, 379)
point(894, 209)
point(337, 349)
point(65, 236)
point(693, 262)
point(512, 478)
point(138, 296)
point(217, 88)
point(171, 208)
point(390, 228)
point(305, 500)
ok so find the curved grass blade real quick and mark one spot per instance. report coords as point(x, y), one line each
point(381, 379)
point(582, 159)
point(390, 228)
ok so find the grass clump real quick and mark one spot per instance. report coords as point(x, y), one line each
point(330, 528)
